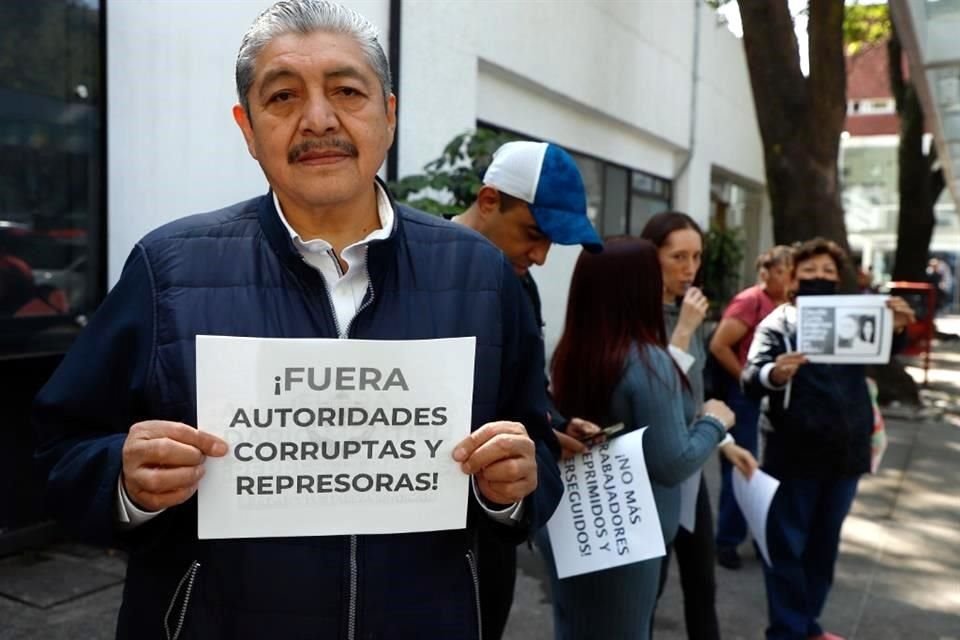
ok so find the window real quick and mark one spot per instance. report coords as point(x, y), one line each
point(51, 170)
point(734, 203)
point(649, 195)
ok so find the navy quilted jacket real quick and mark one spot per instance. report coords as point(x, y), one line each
point(236, 272)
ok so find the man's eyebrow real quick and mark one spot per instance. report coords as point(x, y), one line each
point(276, 74)
point(348, 71)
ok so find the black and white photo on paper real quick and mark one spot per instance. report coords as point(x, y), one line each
point(844, 329)
point(857, 331)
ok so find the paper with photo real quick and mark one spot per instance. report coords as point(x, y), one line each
point(333, 437)
point(845, 329)
point(689, 492)
point(607, 516)
point(754, 497)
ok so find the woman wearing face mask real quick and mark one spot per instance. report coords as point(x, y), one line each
point(821, 419)
point(679, 243)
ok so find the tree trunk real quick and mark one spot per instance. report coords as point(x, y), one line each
point(800, 118)
point(919, 184)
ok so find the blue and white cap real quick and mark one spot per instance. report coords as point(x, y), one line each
point(546, 177)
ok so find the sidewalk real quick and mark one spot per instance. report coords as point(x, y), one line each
point(898, 577)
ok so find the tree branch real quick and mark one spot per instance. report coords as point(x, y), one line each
point(895, 67)
point(773, 59)
point(828, 78)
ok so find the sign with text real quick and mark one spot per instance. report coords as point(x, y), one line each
point(855, 329)
point(333, 437)
point(607, 517)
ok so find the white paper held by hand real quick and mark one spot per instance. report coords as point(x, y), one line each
point(607, 516)
point(754, 497)
point(333, 437)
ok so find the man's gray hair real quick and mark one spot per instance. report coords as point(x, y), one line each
point(305, 17)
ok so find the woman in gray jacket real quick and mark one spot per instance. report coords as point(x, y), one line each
point(611, 365)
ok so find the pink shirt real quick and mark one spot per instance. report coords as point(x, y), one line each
point(750, 306)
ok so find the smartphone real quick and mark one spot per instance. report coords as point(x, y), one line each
point(608, 432)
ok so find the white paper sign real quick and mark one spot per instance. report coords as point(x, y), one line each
point(689, 491)
point(332, 437)
point(607, 517)
point(854, 329)
point(754, 497)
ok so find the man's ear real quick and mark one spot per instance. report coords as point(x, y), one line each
point(391, 118)
point(488, 201)
point(246, 127)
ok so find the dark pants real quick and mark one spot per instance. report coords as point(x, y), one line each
point(731, 527)
point(614, 604)
point(695, 557)
point(497, 571)
point(803, 538)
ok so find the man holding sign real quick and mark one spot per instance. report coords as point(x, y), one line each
point(325, 254)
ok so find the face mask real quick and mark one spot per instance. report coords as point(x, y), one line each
point(816, 287)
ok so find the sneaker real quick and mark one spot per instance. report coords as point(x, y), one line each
point(728, 558)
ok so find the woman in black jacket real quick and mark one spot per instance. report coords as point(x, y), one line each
point(818, 445)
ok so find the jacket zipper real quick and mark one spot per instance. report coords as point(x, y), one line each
point(368, 300)
point(354, 572)
point(352, 607)
point(187, 578)
point(472, 562)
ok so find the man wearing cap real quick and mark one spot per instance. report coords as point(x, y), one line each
point(532, 196)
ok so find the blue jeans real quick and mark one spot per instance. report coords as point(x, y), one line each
point(731, 527)
point(803, 538)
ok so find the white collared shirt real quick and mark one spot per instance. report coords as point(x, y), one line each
point(346, 289)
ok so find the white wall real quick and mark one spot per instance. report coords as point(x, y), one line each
point(604, 77)
point(173, 148)
point(597, 76)
point(726, 136)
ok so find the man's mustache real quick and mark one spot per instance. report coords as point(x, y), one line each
point(308, 146)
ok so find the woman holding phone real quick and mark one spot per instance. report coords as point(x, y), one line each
point(611, 365)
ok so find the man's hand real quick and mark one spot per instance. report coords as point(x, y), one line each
point(902, 313)
point(163, 462)
point(578, 431)
point(503, 458)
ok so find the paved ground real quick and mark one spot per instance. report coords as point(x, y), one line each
point(898, 577)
